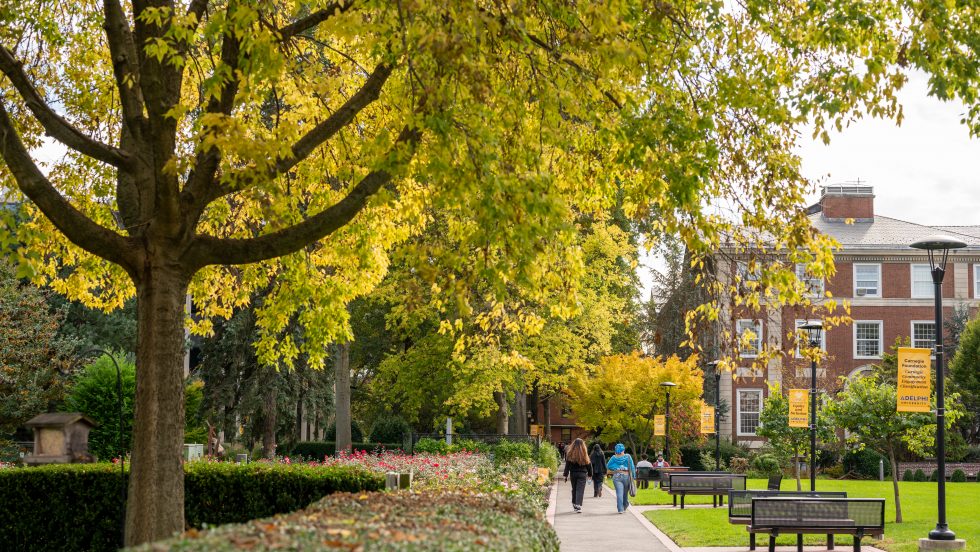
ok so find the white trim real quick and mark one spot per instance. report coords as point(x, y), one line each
point(758, 335)
point(976, 281)
point(738, 411)
point(881, 339)
point(801, 275)
point(912, 324)
point(855, 279)
point(823, 337)
point(912, 282)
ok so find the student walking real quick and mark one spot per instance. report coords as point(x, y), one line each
point(598, 460)
point(623, 470)
point(577, 464)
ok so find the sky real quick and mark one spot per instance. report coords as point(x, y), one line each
point(925, 171)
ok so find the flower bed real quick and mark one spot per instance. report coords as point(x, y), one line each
point(430, 520)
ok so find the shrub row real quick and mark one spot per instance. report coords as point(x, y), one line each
point(80, 507)
point(317, 450)
point(451, 521)
point(958, 476)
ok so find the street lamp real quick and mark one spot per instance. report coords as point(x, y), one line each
point(714, 364)
point(934, 245)
point(667, 385)
point(813, 330)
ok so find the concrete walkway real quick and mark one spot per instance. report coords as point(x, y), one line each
point(599, 527)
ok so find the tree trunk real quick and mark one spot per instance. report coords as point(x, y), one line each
point(299, 415)
point(898, 502)
point(269, 418)
point(518, 420)
point(546, 414)
point(342, 381)
point(155, 505)
point(502, 410)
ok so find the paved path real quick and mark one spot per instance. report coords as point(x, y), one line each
point(599, 527)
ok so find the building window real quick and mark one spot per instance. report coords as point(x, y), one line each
point(922, 282)
point(566, 409)
point(803, 339)
point(923, 334)
point(867, 280)
point(566, 434)
point(749, 406)
point(754, 328)
point(814, 286)
point(867, 339)
point(976, 281)
point(745, 274)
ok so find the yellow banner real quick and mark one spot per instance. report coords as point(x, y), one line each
point(914, 372)
point(707, 419)
point(799, 408)
point(659, 425)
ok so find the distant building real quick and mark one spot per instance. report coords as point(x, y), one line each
point(888, 285)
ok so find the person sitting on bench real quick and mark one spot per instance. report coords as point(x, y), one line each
point(643, 482)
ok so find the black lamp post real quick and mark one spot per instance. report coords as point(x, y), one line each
point(813, 330)
point(937, 247)
point(714, 364)
point(667, 385)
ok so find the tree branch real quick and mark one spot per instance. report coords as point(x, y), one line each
point(125, 62)
point(207, 250)
point(75, 225)
point(55, 125)
point(314, 19)
point(198, 7)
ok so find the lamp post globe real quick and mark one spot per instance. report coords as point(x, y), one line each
point(937, 248)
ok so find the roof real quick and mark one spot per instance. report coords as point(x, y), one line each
point(58, 419)
point(889, 233)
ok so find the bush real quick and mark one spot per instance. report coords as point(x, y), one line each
point(972, 455)
point(469, 445)
point(457, 521)
point(356, 435)
point(708, 461)
point(864, 463)
point(548, 457)
point(317, 450)
point(919, 475)
point(44, 508)
point(958, 476)
point(507, 451)
point(739, 464)
point(429, 445)
point(691, 457)
point(934, 476)
point(767, 464)
point(908, 476)
point(390, 429)
point(834, 472)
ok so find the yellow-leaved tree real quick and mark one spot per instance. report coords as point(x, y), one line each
point(220, 147)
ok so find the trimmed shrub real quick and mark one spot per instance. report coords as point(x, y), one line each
point(864, 463)
point(908, 476)
point(469, 445)
point(548, 457)
point(317, 450)
point(390, 429)
point(507, 451)
point(919, 475)
point(767, 464)
point(456, 521)
point(428, 445)
point(934, 476)
point(45, 508)
point(356, 435)
point(958, 476)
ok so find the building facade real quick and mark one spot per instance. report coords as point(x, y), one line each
point(890, 291)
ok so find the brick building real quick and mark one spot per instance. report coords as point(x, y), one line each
point(890, 290)
point(563, 425)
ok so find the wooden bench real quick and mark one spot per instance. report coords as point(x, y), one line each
point(740, 506)
point(859, 517)
point(715, 484)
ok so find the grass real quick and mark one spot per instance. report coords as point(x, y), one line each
point(710, 527)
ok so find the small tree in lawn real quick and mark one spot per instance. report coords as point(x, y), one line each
point(867, 409)
point(788, 441)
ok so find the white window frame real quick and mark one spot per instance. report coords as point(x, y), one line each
point(855, 272)
point(881, 338)
point(802, 276)
point(932, 289)
point(742, 269)
point(738, 421)
point(823, 337)
point(976, 281)
point(758, 336)
point(912, 324)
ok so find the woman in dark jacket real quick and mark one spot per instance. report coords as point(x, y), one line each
point(577, 464)
point(598, 461)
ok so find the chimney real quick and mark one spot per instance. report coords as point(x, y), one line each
point(847, 201)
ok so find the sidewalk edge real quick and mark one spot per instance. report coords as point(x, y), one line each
point(649, 526)
point(552, 502)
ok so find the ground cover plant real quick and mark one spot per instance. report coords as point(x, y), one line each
point(688, 527)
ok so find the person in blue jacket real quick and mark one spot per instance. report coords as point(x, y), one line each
point(623, 470)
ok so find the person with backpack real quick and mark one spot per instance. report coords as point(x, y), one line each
point(598, 459)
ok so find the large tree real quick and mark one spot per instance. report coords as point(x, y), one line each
point(220, 146)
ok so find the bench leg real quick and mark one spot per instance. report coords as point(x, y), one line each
point(799, 542)
point(857, 543)
point(675, 501)
point(772, 543)
point(751, 541)
point(830, 542)
point(682, 501)
point(714, 501)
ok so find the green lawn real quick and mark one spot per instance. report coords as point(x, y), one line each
point(710, 527)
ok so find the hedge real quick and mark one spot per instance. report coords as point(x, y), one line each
point(79, 506)
point(450, 521)
point(317, 450)
point(959, 476)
